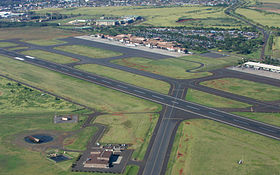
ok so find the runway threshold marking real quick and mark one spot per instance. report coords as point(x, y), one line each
point(91, 77)
point(157, 97)
point(140, 92)
point(216, 114)
point(241, 121)
point(192, 107)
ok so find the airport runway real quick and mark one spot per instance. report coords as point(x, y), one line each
point(205, 112)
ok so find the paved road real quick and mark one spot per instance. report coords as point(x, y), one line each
point(210, 113)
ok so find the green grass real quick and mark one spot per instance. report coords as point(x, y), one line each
point(17, 48)
point(260, 17)
point(246, 88)
point(17, 99)
point(53, 57)
point(88, 51)
point(135, 129)
point(98, 97)
point(276, 48)
point(45, 42)
point(207, 146)
point(160, 16)
point(171, 67)
point(80, 140)
point(213, 100)
point(7, 44)
point(127, 77)
point(270, 118)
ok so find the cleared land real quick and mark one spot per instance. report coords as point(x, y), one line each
point(213, 100)
point(246, 88)
point(260, 17)
point(270, 118)
point(7, 44)
point(80, 140)
point(88, 51)
point(127, 77)
point(17, 99)
point(98, 97)
point(160, 16)
point(276, 48)
point(206, 146)
point(47, 42)
point(35, 33)
point(53, 57)
point(171, 67)
point(135, 129)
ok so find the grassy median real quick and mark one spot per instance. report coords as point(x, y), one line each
point(246, 88)
point(127, 77)
point(206, 146)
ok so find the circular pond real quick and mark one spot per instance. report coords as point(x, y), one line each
point(38, 138)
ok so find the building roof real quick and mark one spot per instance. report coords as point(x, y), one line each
point(263, 65)
point(101, 157)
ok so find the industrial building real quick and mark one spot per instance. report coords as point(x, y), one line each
point(98, 159)
point(261, 66)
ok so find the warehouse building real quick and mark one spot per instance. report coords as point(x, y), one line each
point(98, 159)
point(261, 66)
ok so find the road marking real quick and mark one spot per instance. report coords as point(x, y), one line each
point(18, 58)
point(27, 56)
point(267, 129)
point(175, 102)
point(64, 69)
point(241, 121)
point(78, 73)
point(157, 97)
point(91, 77)
point(106, 82)
point(139, 91)
point(216, 114)
point(52, 66)
point(192, 107)
point(122, 86)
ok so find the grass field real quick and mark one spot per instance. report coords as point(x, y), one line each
point(17, 99)
point(172, 67)
point(260, 17)
point(7, 44)
point(160, 16)
point(35, 33)
point(206, 146)
point(213, 100)
point(80, 140)
point(276, 48)
point(127, 77)
point(246, 88)
point(100, 98)
point(270, 118)
point(135, 129)
point(88, 51)
point(53, 57)
point(17, 48)
point(45, 42)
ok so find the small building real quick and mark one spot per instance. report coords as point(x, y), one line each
point(98, 159)
point(106, 22)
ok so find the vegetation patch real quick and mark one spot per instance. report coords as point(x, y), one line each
point(86, 93)
point(88, 51)
point(80, 140)
point(276, 47)
point(17, 48)
point(206, 146)
point(45, 42)
point(53, 57)
point(134, 129)
point(127, 77)
point(7, 44)
point(171, 67)
point(246, 88)
point(213, 100)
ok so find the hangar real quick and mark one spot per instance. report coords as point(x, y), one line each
point(261, 66)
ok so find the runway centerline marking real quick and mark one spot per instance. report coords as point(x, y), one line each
point(267, 129)
point(140, 92)
point(241, 121)
point(216, 114)
point(192, 107)
point(157, 97)
point(175, 102)
point(122, 86)
point(91, 77)
point(106, 82)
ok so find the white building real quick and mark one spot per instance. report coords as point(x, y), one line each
point(261, 66)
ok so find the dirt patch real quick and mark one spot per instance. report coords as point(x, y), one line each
point(188, 19)
point(1, 93)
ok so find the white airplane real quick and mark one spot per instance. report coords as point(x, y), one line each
point(18, 58)
point(29, 57)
